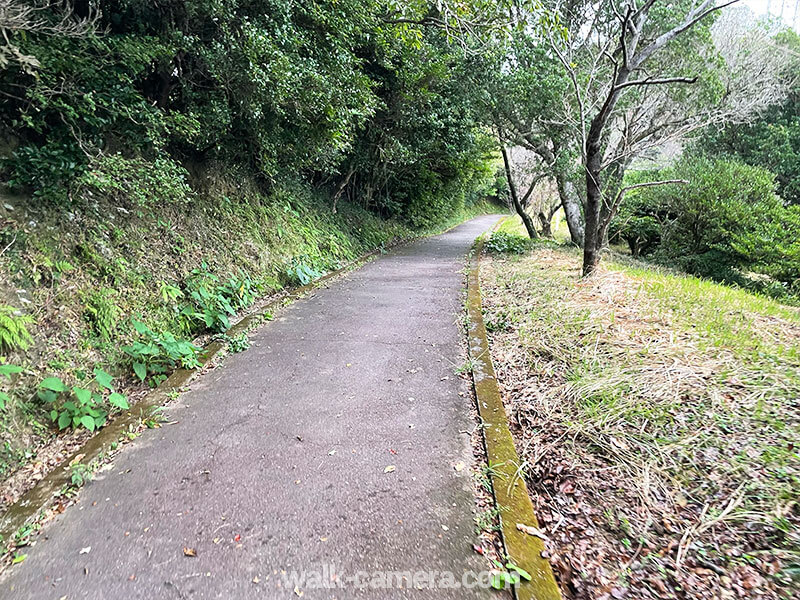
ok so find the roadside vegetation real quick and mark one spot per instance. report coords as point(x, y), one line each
point(164, 167)
point(656, 414)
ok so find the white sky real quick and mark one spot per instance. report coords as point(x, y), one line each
point(791, 12)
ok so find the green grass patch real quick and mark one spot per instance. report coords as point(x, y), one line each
point(668, 402)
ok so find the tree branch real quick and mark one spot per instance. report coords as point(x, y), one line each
point(612, 210)
point(646, 184)
point(651, 81)
point(691, 19)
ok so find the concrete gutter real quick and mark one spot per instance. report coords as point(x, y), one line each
point(40, 497)
point(508, 483)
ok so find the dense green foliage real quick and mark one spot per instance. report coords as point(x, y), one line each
point(725, 223)
point(170, 162)
point(325, 91)
point(502, 242)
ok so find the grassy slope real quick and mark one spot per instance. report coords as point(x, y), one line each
point(66, 267)
point(658, 417)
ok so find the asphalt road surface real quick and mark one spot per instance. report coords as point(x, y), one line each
point(319, 463)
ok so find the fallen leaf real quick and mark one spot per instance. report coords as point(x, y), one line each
point(459, 466)
point(237, 538)
point(532, 531)
point(189, 551)
point(256, 580)
point(477, 549)
point(297, 592)
point(567, 486)
point(389, 469)
point(622, 445)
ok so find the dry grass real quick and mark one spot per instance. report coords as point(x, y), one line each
point(658, 416)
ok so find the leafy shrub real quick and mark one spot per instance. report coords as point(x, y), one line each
point(81, 406)
point(136, 181)
point(14, 333)
point(725, 222)
point(46, 169)
point(238, 343)
point(241, 290)
point(158, 353)
point(299, 273)
point(638, 224)
point(211, 302)
point(101, 312)
point(502, 242)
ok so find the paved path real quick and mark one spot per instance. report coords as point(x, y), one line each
point(277, 458)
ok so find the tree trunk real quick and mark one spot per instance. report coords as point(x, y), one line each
point(593, 237)
point(547, 230)
point(526, 219)
point(341, 187)
point(572, 209)
point(595, 228)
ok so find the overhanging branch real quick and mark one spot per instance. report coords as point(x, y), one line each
point(652, 81)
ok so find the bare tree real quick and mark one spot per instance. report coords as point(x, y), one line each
point(43, 17)
point(635, 90)
point(517, 202)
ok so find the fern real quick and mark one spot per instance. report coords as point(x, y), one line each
point(101, 312)
point(13, 331)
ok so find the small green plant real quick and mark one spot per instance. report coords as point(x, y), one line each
point(299, 272)
point(241, 290)
point(158, 353)
point(80, 474)
point(238, 343)
point(101, 312)
point(7, 371)
point(14, 333)
point(495, 322)
point(466, 367)
point(156, 416)
point(487, 520)
point(169, 292)
point(208, 306)
point(507, 243)
point(210, 302)
point(502, 578)
point(81, 406)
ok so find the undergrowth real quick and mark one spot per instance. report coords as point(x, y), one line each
point(658, 414)
point(124, 280)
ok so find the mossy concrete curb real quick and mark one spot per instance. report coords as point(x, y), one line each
point(508, 484)
point(41, 495)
